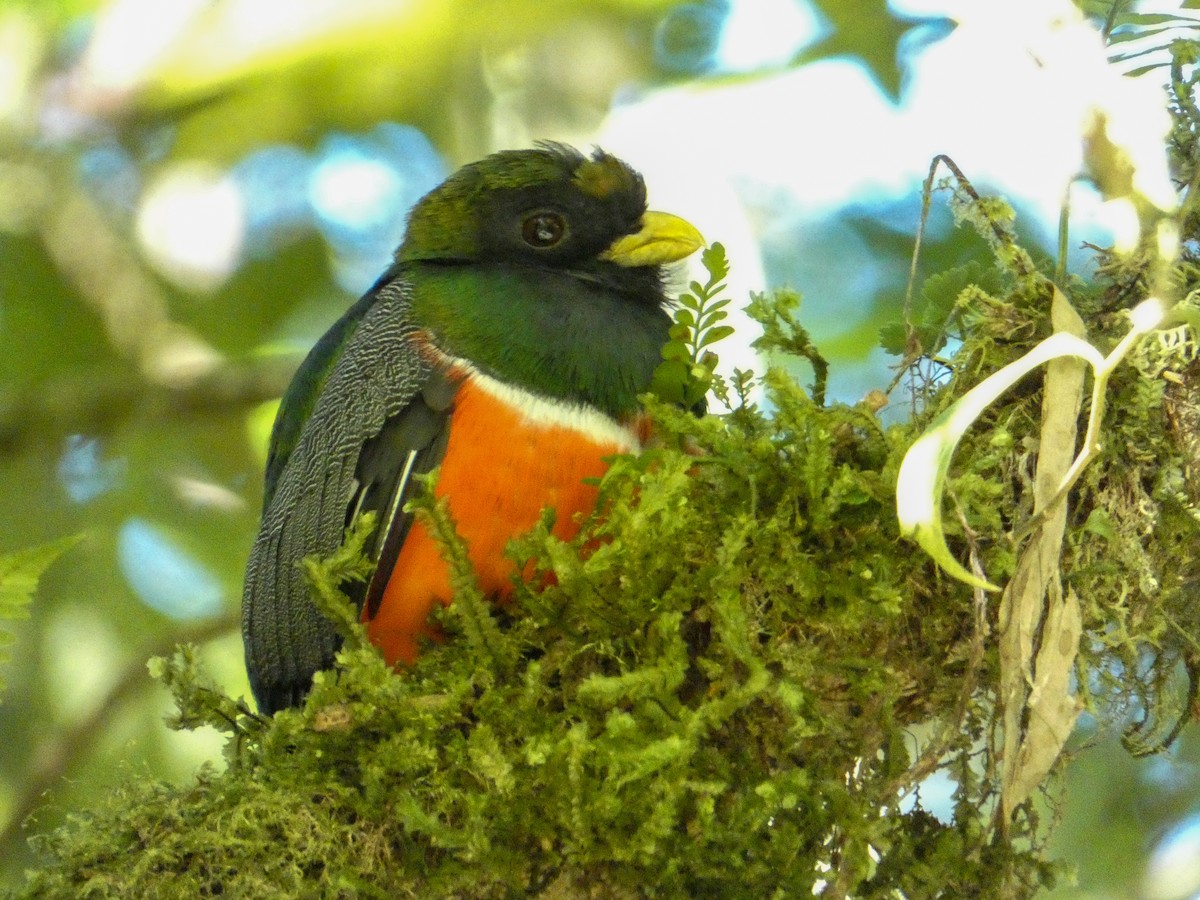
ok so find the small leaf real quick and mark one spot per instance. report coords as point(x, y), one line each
point(717, 333)
point(940, 293)
point(669, 380)
point(685, 317)
point(893, 338)
point(712, 318)
point(676, 350)
point(714, 261)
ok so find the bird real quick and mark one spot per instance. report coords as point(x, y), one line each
point(506, 346)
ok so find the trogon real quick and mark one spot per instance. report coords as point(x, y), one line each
point(507, 344)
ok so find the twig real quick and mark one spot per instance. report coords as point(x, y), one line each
point(1003, 237)
point(930, 760)
point(1064, 231)
point(97, 404)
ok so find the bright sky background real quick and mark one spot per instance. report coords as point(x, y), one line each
point(1017, 133)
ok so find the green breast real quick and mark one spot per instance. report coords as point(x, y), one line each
point(556, 333)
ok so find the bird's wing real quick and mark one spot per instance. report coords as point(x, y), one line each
point(412, 442)
point(368, 376)
point(308, 383)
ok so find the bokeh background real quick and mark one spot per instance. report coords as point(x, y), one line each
point(191, 191)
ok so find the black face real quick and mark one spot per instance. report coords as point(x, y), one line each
point(550, 208)
point(556, 225)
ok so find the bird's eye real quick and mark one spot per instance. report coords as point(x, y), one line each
point(543, 229)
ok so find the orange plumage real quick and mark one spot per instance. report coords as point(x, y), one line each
point(499, 472)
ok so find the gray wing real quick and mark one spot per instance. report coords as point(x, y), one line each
point(377, 375)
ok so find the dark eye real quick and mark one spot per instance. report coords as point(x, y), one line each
point(543, 229)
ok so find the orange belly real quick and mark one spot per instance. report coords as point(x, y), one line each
point(499, 473)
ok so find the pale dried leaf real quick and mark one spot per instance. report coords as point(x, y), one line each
point(1039, 629)
point(1052, 709)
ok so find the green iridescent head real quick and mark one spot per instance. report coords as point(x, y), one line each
point(544, 269)
point(548, 207)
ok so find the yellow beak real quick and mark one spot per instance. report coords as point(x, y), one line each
point(663, 238)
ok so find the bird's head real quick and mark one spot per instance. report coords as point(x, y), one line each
point(550, 207)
